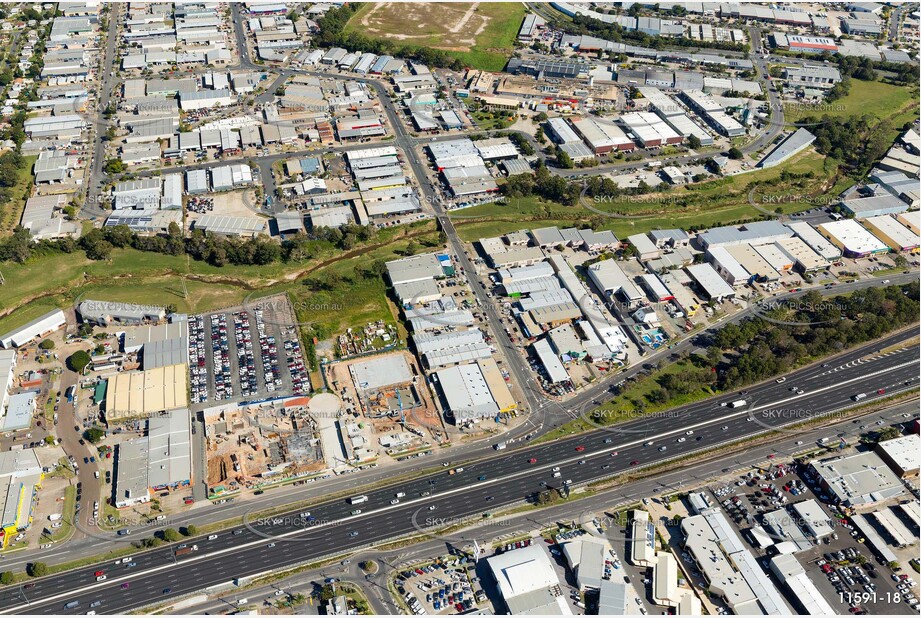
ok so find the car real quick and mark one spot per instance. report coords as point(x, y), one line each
point(781, 380)
point(481, 477)
point(881, 391)
point(125, 586)
point(689, 432)
point(353, 533)
point(533, 460)
point(661, 448)
point(270, 545)
point(101, 578)
point(679, 440)
point(579, 449)
point(725, 427)
point(167, 590)
point(98, 573)
point(607, 441)
point(634, 463)
point(489, 498)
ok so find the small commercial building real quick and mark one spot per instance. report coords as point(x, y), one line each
point(642, 539)
point(857, 480)
point(903, 455)
point(815, 241)
point(136, 394)
point(852, 238)
point(808, 600)
point(415, 268)
point(103, 312)
point(790, 146)
point(710, 283)
point(21, 477)
point(38, 327)
point(895, 235)
point(527, 582)
point(883, 203)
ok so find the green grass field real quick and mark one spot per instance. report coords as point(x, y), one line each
point(897, 104)
point(59, 280)
point(717, 202)
point(483, 38)
point(11, 212)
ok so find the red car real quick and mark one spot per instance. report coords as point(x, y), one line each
point(99, 573)
point(532, 460)
point(634, 463)
point(881, 391)
point(772, 456)
point(580, 449)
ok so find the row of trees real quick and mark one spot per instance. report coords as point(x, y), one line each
point(790, 335)
point(216, 250)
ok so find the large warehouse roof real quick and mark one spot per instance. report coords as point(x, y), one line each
point(466, 392)
point(142, 393)
point(525, 578)
point(381, 371)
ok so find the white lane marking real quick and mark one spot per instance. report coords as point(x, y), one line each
point(525, 472)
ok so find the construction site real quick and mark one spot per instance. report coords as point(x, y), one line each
point(269, 442)
point(388, 391)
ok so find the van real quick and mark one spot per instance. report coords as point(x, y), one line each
point(400, 494)
point(72, 605)
point(859, 396)
point(557, 475)
point(241, 602)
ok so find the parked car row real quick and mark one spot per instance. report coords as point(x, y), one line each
point(300, 381)
point(270, 370)
point(223, 388)
point(246, 360)
point(197, 363)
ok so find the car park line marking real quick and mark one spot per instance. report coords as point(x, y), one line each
point(207, 556)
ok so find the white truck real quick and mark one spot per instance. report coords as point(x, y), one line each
point(737, 404)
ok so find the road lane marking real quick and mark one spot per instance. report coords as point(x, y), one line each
point(375, 512)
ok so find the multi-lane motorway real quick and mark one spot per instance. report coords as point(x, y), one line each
point(483, 486)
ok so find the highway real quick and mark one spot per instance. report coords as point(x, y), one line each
point(507, 478)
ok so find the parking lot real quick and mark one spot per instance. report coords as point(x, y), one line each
point(440, 588)
point(849, 577)
point(243, 360)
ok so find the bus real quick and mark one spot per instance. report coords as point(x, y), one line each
point(358, 499)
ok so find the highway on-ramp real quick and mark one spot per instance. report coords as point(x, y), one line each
point(487, 485)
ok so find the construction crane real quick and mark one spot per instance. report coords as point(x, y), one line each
point(402, 414)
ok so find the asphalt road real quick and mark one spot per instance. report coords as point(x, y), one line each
point(507, 478)
point(91, 207)
point(520, 524)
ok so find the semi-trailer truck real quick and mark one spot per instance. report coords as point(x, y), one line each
point(358, 499)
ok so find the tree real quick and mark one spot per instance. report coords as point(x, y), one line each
point(7, 578)
point(94, 434)
point(694, 142)
point(190, 530)
point(563, 159)
point(735, 153)
point(171, 535)
point(78, 361)
point(37, 569)
point(46, 344)
point(114, 166)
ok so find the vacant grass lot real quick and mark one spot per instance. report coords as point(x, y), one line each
point(482, 35)
point(11, 212)
point(899, 104)
point(717, 202)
